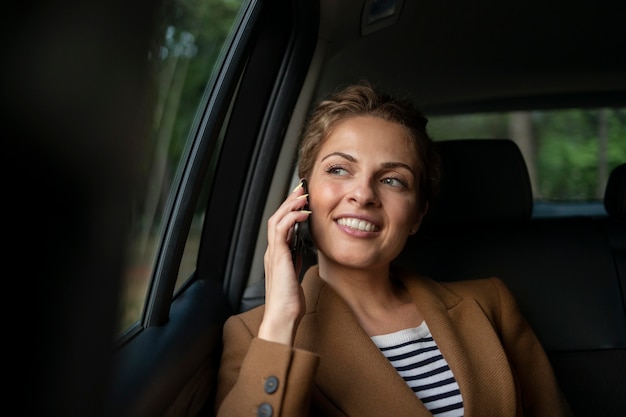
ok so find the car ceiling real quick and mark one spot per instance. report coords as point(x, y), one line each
point(456, 56)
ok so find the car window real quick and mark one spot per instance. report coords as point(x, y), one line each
point(192, 36)
point(569, 152)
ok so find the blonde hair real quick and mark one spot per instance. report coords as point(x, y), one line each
point(363, 100)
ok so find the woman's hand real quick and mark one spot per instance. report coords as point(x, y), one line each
point(284, 298)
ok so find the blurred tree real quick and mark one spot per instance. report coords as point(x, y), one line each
point(191, 41)
point(522, 132)
point(568, 152)
point(576, 146)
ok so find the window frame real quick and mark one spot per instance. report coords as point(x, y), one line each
point(204, 141)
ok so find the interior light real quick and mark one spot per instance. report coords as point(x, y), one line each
point(379, 14)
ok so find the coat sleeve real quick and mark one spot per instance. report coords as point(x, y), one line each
point(258, 377)
point(541, 395)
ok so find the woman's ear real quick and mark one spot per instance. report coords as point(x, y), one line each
point(415, 227)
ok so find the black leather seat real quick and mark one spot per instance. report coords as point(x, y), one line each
point(615, 194)
point(615, 224)
point(561, 270)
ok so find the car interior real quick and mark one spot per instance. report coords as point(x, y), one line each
point(567, 268)
point(567, 272)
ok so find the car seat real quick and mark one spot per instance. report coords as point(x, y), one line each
point(561, 270)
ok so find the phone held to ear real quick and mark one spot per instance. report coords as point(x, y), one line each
point(300, 236)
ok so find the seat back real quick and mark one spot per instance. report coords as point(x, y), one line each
point(561, 270)
point(484, 183)
point(615, 194)
point(615, 225)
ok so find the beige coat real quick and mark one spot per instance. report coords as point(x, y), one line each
point(335, 369)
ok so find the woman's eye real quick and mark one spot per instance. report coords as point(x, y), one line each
point(336, 170)
point(394, 182)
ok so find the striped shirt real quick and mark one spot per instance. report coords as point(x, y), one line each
point(416, 357)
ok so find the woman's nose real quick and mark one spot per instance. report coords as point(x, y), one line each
point(364, 192)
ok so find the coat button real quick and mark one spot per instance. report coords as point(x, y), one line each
point(265, 410)
point(271, 385)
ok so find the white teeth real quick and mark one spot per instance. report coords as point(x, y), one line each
point(357, 224)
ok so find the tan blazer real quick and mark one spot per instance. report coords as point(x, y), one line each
point(335, 369)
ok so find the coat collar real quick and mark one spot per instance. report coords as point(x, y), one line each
point(468, 341)
point(353, 374)
point(357, 378)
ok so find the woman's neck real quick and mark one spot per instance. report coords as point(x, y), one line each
point(366, 285)
point(380, 305)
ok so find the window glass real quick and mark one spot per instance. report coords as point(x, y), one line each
point(569, 153)
point(190, 40)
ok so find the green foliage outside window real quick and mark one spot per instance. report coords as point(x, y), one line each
point(189, 40)
point(572, 150)
point(574, 146)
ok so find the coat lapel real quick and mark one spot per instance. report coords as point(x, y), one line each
point(470, 345)
point(354, 377)
point(353, 374)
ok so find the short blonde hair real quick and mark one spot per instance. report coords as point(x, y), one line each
point(362, 99)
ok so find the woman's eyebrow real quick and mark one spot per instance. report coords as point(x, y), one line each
point(386, 165)
point(398, 165)
point(341, 154)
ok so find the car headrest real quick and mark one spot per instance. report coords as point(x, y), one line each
point(615, 193)
point(484, 182)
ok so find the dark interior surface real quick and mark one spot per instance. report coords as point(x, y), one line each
point(75, 90)
point(469, 56)
point(564, 272)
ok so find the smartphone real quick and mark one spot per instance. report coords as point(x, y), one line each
point(300, 239)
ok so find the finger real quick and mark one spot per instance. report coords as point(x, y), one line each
point(287, 215)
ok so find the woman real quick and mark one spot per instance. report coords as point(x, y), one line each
point(358, 338)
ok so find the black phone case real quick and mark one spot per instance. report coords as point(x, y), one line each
point(300, 239)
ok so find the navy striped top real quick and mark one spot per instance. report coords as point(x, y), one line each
point(416, 357)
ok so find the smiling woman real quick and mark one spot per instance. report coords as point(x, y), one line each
point(368, 163)
point(424, 348)
point(151, 154)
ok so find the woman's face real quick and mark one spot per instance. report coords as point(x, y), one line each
point(363, 192)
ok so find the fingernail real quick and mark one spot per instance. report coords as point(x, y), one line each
point(297, 186)
point(302, 197)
